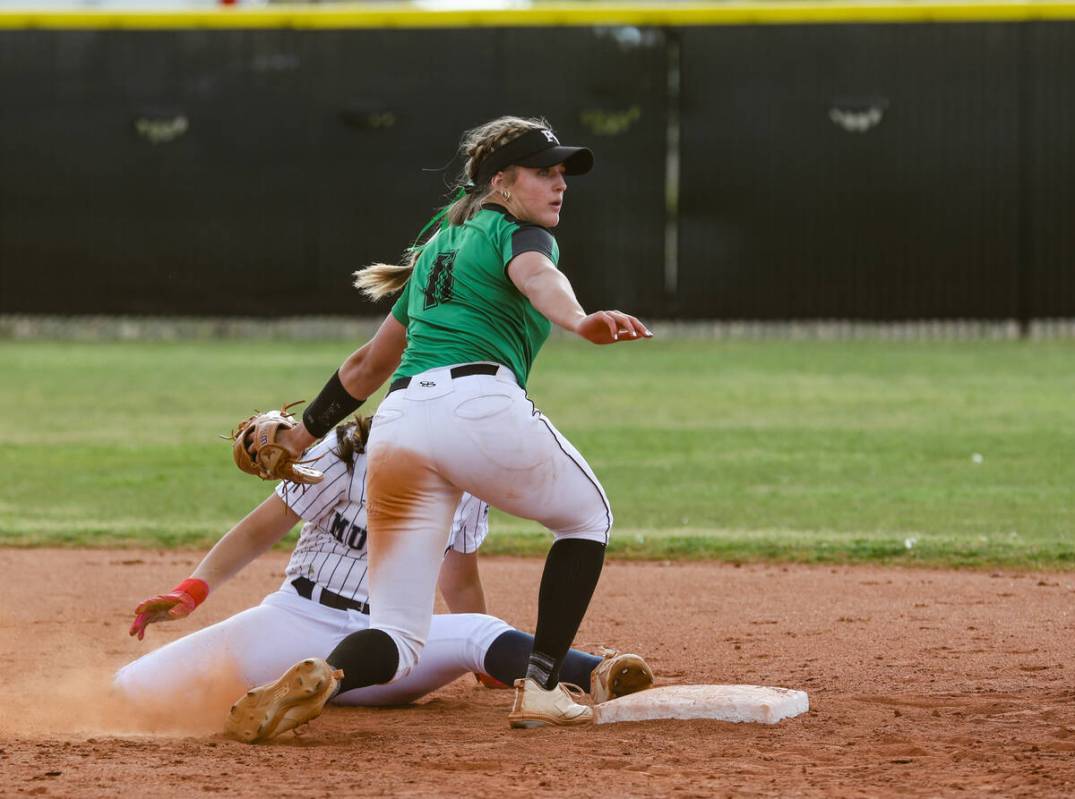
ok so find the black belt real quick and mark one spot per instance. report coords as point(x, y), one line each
point(466, 370)
point(329, 599)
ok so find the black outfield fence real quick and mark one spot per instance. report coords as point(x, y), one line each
point(849, 168)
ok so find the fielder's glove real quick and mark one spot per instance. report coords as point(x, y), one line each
point(256, 450)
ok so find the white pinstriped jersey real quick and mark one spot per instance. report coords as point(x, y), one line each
point(331, 549)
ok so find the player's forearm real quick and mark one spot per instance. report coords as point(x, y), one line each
point(364, 371)
point(358, 377)
point(245, 542)
point(465, 599)
point(551, 293)
point(342, 395)
point(460, 583)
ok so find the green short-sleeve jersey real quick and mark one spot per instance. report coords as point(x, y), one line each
point(460, 305)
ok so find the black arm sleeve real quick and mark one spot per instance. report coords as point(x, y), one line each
point(532, 238)
point(330, 407)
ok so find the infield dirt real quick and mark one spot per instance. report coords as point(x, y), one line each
point(922, 683)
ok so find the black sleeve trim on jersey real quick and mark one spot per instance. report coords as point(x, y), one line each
point(532, 238)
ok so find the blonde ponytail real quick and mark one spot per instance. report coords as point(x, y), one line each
point(380, 280)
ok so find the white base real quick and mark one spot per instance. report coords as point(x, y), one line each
point(736, 703)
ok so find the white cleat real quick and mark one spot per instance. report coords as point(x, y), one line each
point(536, 707)
point(618, 675)
point(272, 709)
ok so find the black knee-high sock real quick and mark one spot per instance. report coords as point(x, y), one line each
point(368, 657)
point(568, 582)
point(507, 658)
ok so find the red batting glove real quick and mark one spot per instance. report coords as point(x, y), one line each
point(176, 604)
point(489, 682)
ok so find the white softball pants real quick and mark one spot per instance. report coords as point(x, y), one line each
point(260, 644)
point(434, 440)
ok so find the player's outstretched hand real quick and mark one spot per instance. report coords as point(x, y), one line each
point(176, 604)
point(166, 607)
point(610, 327)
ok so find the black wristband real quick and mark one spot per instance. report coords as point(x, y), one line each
point(331, 407)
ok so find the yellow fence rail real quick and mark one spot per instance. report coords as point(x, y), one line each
point(345, 16)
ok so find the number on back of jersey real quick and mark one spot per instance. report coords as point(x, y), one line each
point(439, 287)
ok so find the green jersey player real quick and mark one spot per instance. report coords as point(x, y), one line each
point(477, 301)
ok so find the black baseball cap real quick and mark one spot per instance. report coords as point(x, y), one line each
point(535, 148)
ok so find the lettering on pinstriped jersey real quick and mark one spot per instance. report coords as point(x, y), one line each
point(331, 550)
point(348, 534)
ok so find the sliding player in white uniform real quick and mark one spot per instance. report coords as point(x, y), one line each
point(324, 598)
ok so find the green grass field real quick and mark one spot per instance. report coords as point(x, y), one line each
point(930, 452)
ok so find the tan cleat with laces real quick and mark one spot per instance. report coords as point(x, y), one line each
point(272, 709)
point(536, 707)
point(618, 675)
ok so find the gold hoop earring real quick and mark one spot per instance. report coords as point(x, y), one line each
point(506, 194)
